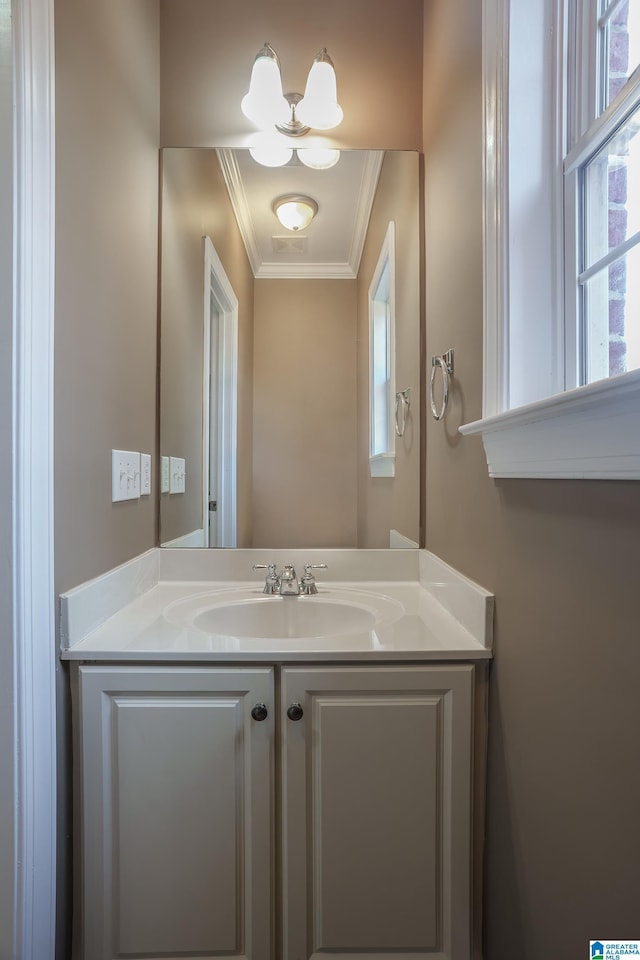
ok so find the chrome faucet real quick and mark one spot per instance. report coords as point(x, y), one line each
point(286, 584)
point(289, 586)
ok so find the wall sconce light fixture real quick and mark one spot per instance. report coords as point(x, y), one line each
point(292, 113)
point(271, 154)
point(295, 212)
point(318, 158)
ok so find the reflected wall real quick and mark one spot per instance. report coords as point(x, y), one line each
point(195, 204)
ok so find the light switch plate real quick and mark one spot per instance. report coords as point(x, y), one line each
point(176, 475)
point(164, 474)
point(145, 474)
point(125, 475)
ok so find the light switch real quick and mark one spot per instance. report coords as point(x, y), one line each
point(125, 475)
point(164, 474)
point(145, 474)
point(176, 475)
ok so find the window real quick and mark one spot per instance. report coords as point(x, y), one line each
point(381, 360)
point(603, 172)
point(562, 239)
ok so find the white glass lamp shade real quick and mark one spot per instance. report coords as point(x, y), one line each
point(264, 104)
point(295, 213)
point(319, 108)
point(319, 158)
point(271, 156)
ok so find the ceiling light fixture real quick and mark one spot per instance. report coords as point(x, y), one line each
point(295, 212)
point(292, 113)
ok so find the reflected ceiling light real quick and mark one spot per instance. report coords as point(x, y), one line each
point(317, 109)
point(271, 156)
point(319, 158)
point(295, 212)
point(270, 153)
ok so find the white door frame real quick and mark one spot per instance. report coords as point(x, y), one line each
point(217, 283)
point(30, 687)
point(214, 432)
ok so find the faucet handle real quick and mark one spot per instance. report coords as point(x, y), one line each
point(308, 582)
point(272, 581)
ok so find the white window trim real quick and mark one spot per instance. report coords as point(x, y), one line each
point(591, 431)
point(31, 685)
point(384, 464)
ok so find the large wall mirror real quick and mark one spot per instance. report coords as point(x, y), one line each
point(267, 366)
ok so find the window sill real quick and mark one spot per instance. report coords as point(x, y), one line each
point(383, 465)
point(589, 433)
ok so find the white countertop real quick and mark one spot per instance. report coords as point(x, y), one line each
point(145, 630)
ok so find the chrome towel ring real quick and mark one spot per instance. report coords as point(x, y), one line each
point(403, 404)
point(445, 362)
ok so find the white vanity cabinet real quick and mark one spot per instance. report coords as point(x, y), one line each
point(376, 812)
point(176, 787)
point(339, 825)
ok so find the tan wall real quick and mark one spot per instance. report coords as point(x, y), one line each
point(304, 453)
point(107, 134)
point(392, 503)
point(195, 203)
point(563, 560)
point(208, 48)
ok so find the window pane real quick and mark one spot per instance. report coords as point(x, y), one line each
point(620, 46)
point(380, 377)
point(612, 318)
point(612, 193)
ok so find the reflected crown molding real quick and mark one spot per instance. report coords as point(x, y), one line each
point(262, 269)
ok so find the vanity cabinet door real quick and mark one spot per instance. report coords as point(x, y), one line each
point(376, 812)
point(176, 812)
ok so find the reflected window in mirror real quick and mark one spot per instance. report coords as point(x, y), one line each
point(381, 360)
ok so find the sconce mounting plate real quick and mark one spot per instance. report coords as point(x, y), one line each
point(293, 127)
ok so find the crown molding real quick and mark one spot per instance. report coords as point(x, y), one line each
point(306, 271)
point(240, 205)
point(368, 187)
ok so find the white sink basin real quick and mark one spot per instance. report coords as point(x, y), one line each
point(279, 618)
point(248, 614)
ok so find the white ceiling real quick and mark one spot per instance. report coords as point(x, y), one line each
point(332, 243)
